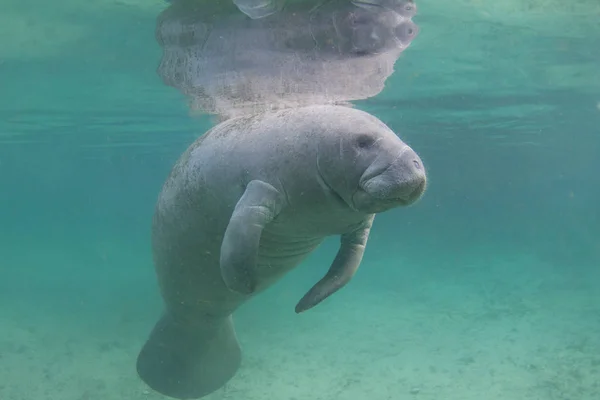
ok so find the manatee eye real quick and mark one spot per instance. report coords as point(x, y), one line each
point(364, 141)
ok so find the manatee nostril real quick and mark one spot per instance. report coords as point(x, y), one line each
point(406, 32)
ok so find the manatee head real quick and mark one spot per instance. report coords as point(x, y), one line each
point(369, 29)
point(369, 167)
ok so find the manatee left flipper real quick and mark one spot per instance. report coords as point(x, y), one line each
point(342, 269)
point(258, 206)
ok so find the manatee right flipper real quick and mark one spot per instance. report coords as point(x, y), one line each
point(189, 358)
point(342, 269)
point(258, 206)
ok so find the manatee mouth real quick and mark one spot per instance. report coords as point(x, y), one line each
point(366, 202)
point(376, 202)
point(386, 199)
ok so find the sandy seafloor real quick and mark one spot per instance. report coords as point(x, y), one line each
point(476, 326)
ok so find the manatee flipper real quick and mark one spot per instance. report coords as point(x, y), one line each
point(189, 359)
point(342, 269)
point(258, 206)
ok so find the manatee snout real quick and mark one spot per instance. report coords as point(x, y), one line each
point(371, 38)
point(390, 182)
point(406, 32)
point(404, 179)
point(372, 27)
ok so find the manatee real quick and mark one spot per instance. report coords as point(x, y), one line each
point(331, 52)
point(246, 203)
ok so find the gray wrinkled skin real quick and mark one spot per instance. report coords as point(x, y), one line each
point(245, 204)
point(332, 52)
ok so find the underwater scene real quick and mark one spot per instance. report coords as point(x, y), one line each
point(300, 199)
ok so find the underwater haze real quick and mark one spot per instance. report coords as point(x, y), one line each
point(486, 288)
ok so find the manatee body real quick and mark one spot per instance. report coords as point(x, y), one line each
point(325, 52)
point(246, 203)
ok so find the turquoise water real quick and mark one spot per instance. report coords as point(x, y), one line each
point(486, 288)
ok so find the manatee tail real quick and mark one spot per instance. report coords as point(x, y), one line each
point(189, 360)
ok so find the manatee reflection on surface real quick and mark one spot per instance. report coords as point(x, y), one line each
point(331, 53)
